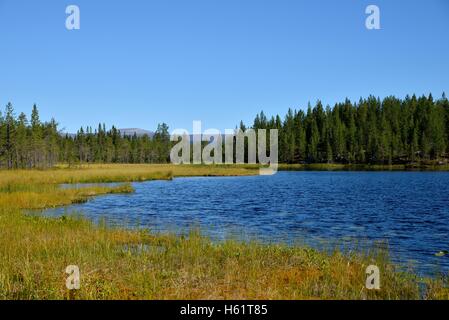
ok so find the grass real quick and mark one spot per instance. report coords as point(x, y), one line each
point(117, 263)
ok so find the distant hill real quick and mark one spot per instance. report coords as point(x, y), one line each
point(137, 131)
point(124, 132)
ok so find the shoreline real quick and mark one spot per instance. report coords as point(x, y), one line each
point(131, 264)
point(363, 167)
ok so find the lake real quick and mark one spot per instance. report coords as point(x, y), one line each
point(408, 210)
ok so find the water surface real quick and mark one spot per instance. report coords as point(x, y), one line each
point(409, 210)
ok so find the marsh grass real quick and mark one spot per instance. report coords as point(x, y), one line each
point(119, 263)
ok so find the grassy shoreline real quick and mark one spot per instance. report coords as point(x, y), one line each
point(116, 263)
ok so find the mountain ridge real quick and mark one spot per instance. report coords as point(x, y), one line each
point(124, 132)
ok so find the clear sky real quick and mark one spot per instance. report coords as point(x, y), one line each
point(136, 63)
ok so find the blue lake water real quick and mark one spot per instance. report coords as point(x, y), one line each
point(408, 210)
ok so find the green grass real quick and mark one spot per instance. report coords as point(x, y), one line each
point(118, 263)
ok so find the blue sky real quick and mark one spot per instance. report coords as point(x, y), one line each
point(136, 63)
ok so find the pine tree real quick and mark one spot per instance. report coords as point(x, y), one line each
point(10, 136)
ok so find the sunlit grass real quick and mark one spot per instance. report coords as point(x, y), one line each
point(117, 263)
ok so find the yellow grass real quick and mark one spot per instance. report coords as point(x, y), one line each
point(117, 173)
point(116, 263)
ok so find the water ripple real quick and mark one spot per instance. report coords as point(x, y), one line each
point(409, 209)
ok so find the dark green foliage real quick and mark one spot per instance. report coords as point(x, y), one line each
point(372, 131)
point(33, 144)
point(111, 146)
point(27, 145)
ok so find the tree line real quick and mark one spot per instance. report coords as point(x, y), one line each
point(111, 146)
point(27, 144)
point(370, 131)
point(34, 144)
